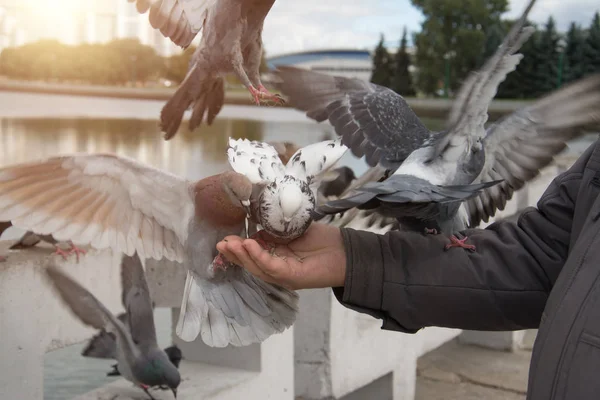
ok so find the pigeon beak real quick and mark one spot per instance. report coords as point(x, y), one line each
point(174, 390)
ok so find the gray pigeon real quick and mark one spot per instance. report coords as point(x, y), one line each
point(104, 345)
point(140, 360)
point(108, 201)
point(284, 196)
point(231, 42)
point(467, 157)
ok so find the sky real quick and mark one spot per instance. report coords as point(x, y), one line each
point(319, 24)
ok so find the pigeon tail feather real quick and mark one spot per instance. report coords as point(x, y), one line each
point(238, 311)
point(209, 101)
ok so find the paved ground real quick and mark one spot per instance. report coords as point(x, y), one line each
point(456, 371)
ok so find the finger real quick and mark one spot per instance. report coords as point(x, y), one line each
point(270, 265)
point(246, 261)
point(224, 250)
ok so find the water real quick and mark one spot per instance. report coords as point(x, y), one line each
point(87, 125)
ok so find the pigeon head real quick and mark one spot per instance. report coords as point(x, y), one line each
point(238, 187)
point(157, 370)
point(286, 207)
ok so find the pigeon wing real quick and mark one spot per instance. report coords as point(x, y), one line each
point(470, 110)
point(178, 20)
point(522, 143)
point(103, 200)
point(137, 302)
point(315, 159)
point(372, 120)
point(86, 307)
point(258, 161)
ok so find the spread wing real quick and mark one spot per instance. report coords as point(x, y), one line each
point(178, 20)
point(521, 144)
point(258, 161)
point(372, 120)
point(470, 109)
point(314, 159)
point(102, 200)
point(88, 308)
point(137, 302)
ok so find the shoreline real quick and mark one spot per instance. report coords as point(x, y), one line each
point(424, 107)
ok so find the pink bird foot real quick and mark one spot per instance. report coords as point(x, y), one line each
point(456, 242)
point(265, 94)
point(76, 250)
point(431, 231)
point(2, 259)
point(60, 252)
point(255, 94)
point(219, 262)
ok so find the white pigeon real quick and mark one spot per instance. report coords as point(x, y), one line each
point(283, 199)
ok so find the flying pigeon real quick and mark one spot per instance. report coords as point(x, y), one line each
point(445, 166)
point(108, 201)
point(284, 198)
point(231, 42)
point(104, 345)
point(139, 358)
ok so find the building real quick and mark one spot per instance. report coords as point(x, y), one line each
point(347, 63)
point(75, 22)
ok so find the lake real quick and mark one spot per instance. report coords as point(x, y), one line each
point(36, 126)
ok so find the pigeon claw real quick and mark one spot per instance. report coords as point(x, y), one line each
point(219, 262)
point(76, 250)
point(265, 94)
point(431, 231)
point(456, 242)
point(60, 252)
point(256, 94)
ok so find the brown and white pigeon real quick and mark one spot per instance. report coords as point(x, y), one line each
point(231, 42)
point(108, 201)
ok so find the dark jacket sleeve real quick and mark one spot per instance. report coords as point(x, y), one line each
point(410, 281)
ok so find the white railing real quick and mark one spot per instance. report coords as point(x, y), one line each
point(330, 352)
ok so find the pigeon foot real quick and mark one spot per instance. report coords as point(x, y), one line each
point(219, 262)
point(145, 389)
point(456, 242)
point(2, 259)
point(256, 94)
point(76, 250)
point(431, 231)
point(265, 94)
point(60, 252)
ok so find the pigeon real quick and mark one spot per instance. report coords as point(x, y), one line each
point(30, 239)
point(444, 182)
point(231, 42)
point(104, 345)
point(284, 196)
point(109, 201)
point(139, 358)
point(339, 180)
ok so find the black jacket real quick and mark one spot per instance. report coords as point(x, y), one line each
point(541, 271)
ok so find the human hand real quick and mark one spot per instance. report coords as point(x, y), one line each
point(314, 260)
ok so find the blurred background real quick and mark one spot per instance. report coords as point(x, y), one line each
point(92, 76)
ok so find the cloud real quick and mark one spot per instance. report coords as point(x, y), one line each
point(321, 24)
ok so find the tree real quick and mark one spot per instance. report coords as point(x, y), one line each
point(591, 52)
point(176, 67)
point(381, 65)
point(452, 27)
point(548, 60)
point(401, 79)
point(574, 54)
